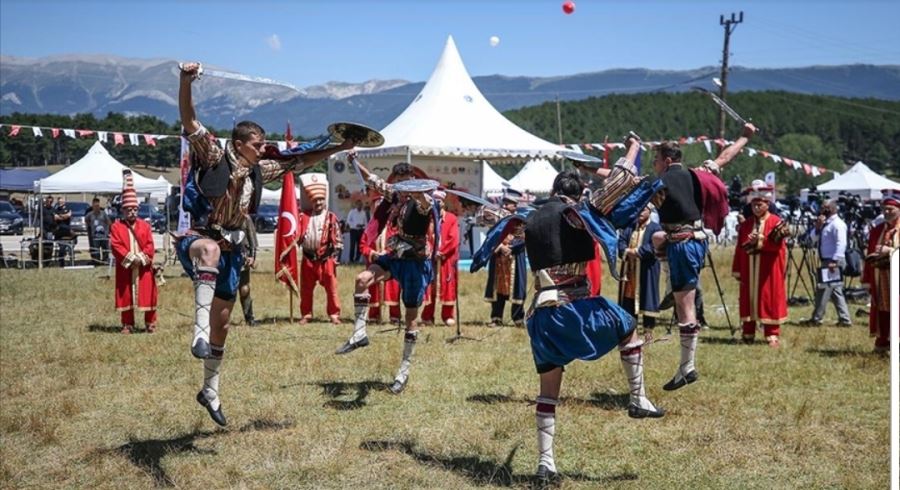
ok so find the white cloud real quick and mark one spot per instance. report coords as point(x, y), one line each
point(274, 42)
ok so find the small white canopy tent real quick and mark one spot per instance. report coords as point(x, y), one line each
point(536, 177)
point(491, 182)
point(99, 173)
point(860, 180)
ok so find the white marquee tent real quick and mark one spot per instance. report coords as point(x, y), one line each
point(860, 180)
point(99, 173)
point(491, 182)
point(450, 117)
point(536, 177)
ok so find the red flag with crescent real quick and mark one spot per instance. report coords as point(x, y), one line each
point(286, 235)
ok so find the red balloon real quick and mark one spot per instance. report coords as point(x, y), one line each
point(568, 6)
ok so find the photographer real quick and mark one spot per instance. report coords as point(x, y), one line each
point(832, 233)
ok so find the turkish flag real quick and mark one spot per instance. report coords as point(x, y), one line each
point(286, 235)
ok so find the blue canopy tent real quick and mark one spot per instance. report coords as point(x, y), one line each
point(20, 179)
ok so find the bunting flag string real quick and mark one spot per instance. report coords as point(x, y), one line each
point(605, 147)
point(708, 142)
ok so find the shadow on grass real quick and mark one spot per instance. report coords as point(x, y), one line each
point(148, 454)
point(604, 401)
point(359, 390)
point(720, 340)
point(94, 327)
point(481, 471)
point(851, 353)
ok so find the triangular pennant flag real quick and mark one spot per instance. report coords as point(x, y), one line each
point(815, 171)
point(775, 158)
point(148, 138)
point(55, 132)
point(797, 165)
point(822, 170)
point(222, 142)
point(788, 162)
point(807, 169)
point(575, 148)
point(37, 131)
point(101, 135)
point(682, 141)
point(751, 152)
point(119, 139)
point(133, 139)
point(14, 130)
point(720, 142)
point(764, 154)
point(84, 133)
point(708, 146)
point(690, 140)
point(69, 132)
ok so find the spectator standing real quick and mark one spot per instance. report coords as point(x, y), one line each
point(357, 219)
point(98, 223)
point(832, 231)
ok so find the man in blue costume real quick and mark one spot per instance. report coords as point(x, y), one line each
point(408, 258)
point(564, 322)
point(223, 188)
point(639, 287)
point(507, 279)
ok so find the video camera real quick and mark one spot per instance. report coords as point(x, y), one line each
point(852, 208)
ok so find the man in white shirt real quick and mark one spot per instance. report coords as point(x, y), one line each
point(356, 222)
point(832, 233)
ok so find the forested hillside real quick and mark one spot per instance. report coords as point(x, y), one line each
point(823, 131)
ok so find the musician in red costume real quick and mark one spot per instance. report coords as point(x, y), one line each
point(884, 239)
point(321, 242)
point(131, 241)
point(446, 265)
point(760, 263)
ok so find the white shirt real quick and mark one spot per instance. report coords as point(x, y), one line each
point(313, 237)
point(833, 242)
point(356, 219)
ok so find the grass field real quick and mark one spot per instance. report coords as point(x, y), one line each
point(82, 406)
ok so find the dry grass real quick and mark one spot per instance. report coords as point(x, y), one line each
point(83, 406)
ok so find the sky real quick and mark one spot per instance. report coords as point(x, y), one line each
point(313, 42)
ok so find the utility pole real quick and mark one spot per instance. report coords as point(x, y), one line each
point(558, 121)
point(730, 25)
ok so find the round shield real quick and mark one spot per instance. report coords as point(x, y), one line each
point(366, 137)
point(582, 159)
point(416, 185)
point(470, 197)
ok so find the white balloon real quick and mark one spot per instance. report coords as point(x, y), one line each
point(495, 41)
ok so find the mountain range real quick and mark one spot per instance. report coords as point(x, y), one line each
point(100, 84)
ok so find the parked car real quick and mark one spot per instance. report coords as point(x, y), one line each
point(10, 220)
point(79, 211)
point(151, 214)
point(266, 218)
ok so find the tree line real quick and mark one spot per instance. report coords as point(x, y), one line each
point(824, 131)
point(830, 132)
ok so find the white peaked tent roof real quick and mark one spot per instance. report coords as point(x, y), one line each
point(97, 172)
point(859, 180)
point(491, 180)
point(450, 117)
point(535, 177)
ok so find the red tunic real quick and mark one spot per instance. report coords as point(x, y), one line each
point(135, 286)
point(763, 296)
point(879, 282)
point(449, 250)
point(322, 267)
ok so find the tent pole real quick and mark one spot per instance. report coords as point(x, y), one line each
point(41, 234)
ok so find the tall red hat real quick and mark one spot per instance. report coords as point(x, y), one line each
point(890, 197)
point(129, 195)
